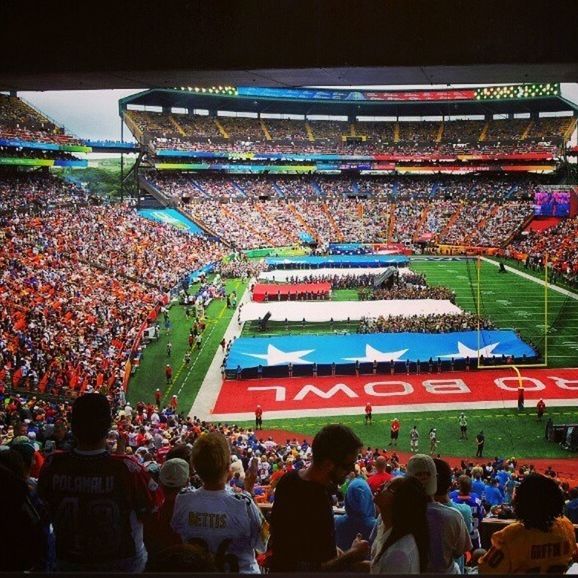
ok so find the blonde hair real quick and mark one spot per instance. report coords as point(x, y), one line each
point(211, 457)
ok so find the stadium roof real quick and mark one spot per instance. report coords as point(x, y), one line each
point(112, 44)
point(359, 103)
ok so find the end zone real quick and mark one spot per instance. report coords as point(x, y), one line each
point(347, 395)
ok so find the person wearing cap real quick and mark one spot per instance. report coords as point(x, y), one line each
point(158, 533)
point(158, 397)
point(229, 523)
point(168, 373)
point(96, 501)
point(449, 537)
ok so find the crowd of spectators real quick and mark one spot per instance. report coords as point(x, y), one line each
point(78, 282)
point(260, 211)
point(19, 121)
point(232, 133)
point(434, 323)
point(171, 455)
point(558, 243)
point(34, 191)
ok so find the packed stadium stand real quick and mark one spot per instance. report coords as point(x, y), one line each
point(83, 278)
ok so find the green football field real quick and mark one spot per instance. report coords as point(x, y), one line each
point(509, 300)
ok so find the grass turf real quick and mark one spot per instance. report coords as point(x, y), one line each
point(186, 380)
point(509, 300)
point(508, 432)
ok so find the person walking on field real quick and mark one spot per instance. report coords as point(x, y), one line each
point(433, 441)
point(258, 417)
point(480, 441)
point(413, 439)
point(368, 412)
point(540, 409)
point(394, 431)
point(463, 421)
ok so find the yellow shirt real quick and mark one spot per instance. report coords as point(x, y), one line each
point(518, 550)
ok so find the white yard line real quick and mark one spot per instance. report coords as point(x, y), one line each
point(534, 279)
point(391, 409)
point(211, 386)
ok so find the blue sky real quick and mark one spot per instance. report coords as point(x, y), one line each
point(94, 113)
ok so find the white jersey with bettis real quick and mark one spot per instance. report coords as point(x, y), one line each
point(231, 525)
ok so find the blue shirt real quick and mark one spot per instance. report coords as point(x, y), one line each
point(494, 496)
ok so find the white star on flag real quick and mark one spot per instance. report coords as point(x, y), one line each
point(372, 354)
point(275, 356)
point(464, 351)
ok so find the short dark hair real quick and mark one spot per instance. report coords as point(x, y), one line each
point(91, 418)
point(444, 476)
point(335, 442)
point(538, 501)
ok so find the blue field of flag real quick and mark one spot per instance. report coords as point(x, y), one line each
point(250, 352)
point(336, 261)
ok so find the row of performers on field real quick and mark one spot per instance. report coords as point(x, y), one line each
point(407, 367)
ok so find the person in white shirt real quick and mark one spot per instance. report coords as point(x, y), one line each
point(230, 525)
point(402, 542)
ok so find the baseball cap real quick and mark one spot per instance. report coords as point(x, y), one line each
point(423, 468)
point(174, 473)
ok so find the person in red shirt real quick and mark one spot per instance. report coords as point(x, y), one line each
point(158, 397)
point(169, 373)
point(258, 417)
point(368, 410)
point(381, 476)
point(394, 431)
point(540, 408)
point(174, 402)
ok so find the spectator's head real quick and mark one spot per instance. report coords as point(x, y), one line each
point(174, 474)
point(408, 504)
point(26, 450)
point(465, 485)
point(380, 464)
point(444, 477)
point(14, 462)
point(182, 451)
point(423, 468)
point(211, 458)
point(335, 449)
point(538, 501)
point(91, 419)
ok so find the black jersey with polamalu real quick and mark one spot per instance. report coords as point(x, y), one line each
point(95, 503)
